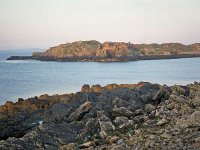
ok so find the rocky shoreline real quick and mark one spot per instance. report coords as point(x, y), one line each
point(126, 116)
point(87, 59)
point(94, 51)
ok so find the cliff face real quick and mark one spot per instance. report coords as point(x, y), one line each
point(114, 49)
point(88, 49)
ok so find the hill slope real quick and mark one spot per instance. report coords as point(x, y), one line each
point(114, 51)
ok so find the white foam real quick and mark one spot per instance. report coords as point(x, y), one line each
point(40, 122)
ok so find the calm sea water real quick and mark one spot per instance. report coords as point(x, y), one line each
point(29, 78)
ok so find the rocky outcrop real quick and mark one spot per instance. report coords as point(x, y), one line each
point(113, 51)
point(80, 112)
point(127, 116)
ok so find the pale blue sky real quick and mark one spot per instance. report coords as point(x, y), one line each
point(45, 23)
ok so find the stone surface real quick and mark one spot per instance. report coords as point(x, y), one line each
point(80, 112)
point(135, 116)
point(162, 122)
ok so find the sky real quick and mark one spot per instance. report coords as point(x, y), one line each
point(45, 23)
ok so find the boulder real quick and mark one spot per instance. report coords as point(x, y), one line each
point(178, 90)
point(90, 129)
point(118, 121)
point(80, 112)
point(96, 88)
point(123, 123)
point(162, 122)
point(163, 93)
point(113, 139)
point(105, 122)
point(149, 108)
point(85, 88)
point(70, 146)
point(122, 111)
point(57, 113)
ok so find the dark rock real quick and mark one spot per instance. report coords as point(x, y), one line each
point(123, 123)
point(105, 122)
point(57, 113)
point(178, 90)
point(162, 93)
point(140, 116)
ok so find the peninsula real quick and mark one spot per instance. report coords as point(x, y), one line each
point(113, 52)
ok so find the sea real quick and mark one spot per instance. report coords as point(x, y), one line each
point(29, 78)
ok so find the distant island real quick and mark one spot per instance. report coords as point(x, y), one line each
point(113, 52)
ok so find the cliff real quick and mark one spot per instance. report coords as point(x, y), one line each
point(126, 116)
point(114, 51)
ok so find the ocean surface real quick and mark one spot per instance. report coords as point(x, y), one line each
point(23, 79)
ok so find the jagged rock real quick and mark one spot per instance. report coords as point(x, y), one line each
point(178, 90)
point(149, 108)
point(85, 88)
point(87, 145)
point(122, 111)
point(57, 113)
point(162, 122)
point(197, 140)
point(70, 146)
point(194, 90)
point(80, 112)
point(162, 93)
point(171, 106)
point(138, 112)
point(189, 121)
point(121, 142)
point(113, 139)
point(165, 135)
point(96, 88)
point(103, 134)
point(196, 102)
point(105, 122)
point(91, 127)
point(88, 121)
point(123, 123)
point(118, 121)
point(111, 86)
point(195, 118)
point(120, 103)
point(149, 144)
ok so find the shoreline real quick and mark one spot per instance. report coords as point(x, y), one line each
point(14, 100)
point(115, 115)
point(85, 59)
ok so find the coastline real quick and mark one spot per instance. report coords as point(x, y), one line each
point(114, 116)
point(91, 59)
